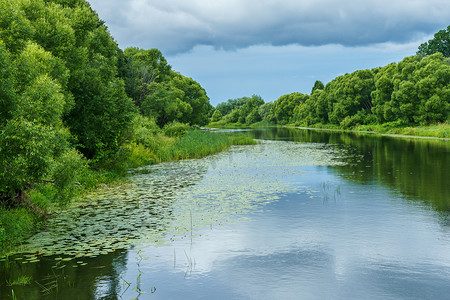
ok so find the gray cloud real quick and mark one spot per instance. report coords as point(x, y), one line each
point(176, 26)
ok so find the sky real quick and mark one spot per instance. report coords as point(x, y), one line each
point(237, 48)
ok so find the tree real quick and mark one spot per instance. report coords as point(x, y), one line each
point(381, 96)
point(7, 83)
point(83, 62)
point(165, 104)
point(440, 43)
point(243, 110)
point(195, 96)
point(227, 107)
point(144, 68)
point(348, 94)
point(318, 85)
point(432, 79)
point(308, 112)
point(160, 92)
point(264, 111)
point(34, 144)
point(283, 108)
point(217, 116)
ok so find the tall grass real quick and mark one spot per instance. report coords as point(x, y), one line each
point(437, 130)
point(15, 225)
point(194, 144)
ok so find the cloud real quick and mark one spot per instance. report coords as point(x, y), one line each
point(177, 26)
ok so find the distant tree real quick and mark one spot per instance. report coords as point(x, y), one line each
point(243, 110)
point(227, 107)
point(440, 43)
point(318, 85)
point(264, 111)
point(217, 116)
point(195, 96)
point(283, 108)
point(348, 94)
point(381, 96)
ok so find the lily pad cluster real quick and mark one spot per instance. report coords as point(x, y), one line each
point(170, 200)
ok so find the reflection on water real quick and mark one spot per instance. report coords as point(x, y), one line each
point(417, 168)
point(323, 216)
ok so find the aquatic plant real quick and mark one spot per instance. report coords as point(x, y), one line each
point(174, 200)
point(21, 280)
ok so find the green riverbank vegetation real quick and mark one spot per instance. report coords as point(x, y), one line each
point(410, 97)
point(76, 111)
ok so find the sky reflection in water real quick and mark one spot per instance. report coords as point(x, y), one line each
point(325, 238)
point(329, 216)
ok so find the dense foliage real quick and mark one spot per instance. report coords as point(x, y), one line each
point(69, 97)
point(414, 91)
point(162, 93)
point(440, 43)
point(283, 108)
point(245, 110)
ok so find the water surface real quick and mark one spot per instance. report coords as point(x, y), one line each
point(302, 215)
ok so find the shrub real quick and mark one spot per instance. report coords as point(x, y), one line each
point(176, 129)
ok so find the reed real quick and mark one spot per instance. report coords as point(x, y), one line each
point(21, 280)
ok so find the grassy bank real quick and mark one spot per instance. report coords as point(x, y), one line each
point(433, 131)
point(224, 125)
point(174, 143)
point(438, 131)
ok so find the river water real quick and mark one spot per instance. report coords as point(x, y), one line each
point(301, 215)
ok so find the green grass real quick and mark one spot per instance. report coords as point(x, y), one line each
point(436, 131)
point(194, 144)
point(239, 125)
point(15, 225)
point(440, 131)
point(21, 280)
point(198, 144)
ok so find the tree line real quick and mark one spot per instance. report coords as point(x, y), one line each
point(69, 96)
point(415, 91)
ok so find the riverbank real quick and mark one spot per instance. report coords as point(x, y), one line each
point(18, 223)
point(439, 131)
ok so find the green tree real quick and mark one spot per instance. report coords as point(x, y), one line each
point(34, 143)
point(227, 107)
point(318, 85)
point(440, 43)
point(381, 96)
point(432, 79)
point(7, 83)
point(348, 94)
point(283, 108)
point(195, 96)
point(308, 112)
point(243, 110)
point(217, 116)
point(143, 69)
point(264, 111)
point(15, 29)
point(165, 104)
point(84, 63)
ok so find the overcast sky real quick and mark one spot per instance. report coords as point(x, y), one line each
point(237, 48)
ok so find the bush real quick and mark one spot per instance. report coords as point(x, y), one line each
point(217, 116)
point(176, 129)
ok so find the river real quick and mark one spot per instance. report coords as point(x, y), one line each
point(301, 215)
